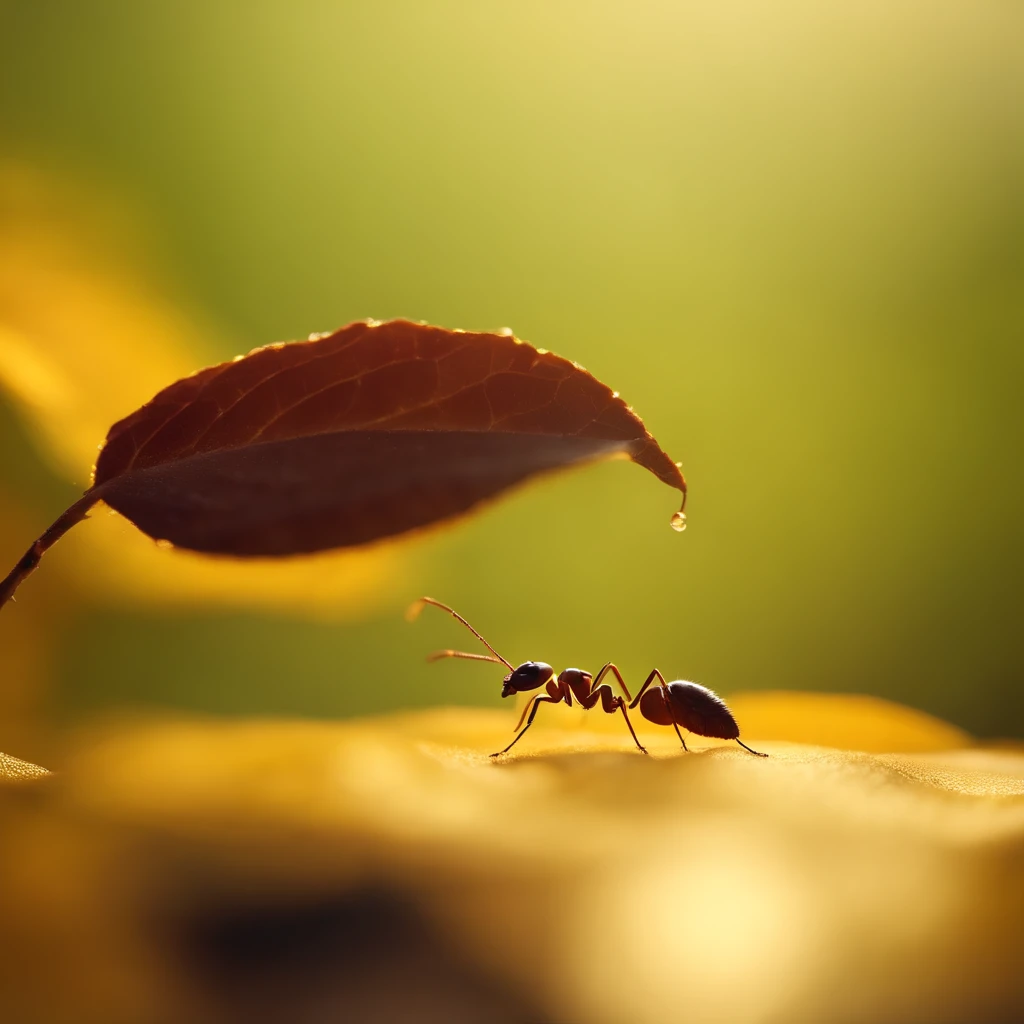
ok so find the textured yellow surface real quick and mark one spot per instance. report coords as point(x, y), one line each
point(578, 882)
point(12, 769)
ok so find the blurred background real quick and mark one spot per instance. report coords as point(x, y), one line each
point(790, 234)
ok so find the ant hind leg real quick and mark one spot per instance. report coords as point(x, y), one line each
point(681, 740)
point(756, 753)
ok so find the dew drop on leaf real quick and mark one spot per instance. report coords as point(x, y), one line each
point(678, 521)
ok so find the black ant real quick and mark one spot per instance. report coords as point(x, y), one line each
point(696, 708)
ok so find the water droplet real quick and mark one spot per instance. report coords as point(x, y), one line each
point(678, 522)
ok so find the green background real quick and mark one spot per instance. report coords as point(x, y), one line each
point(790, 234)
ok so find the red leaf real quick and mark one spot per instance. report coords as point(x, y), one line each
point(365, 433)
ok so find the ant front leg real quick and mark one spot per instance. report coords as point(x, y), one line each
point(529, 721)
point(556, 692)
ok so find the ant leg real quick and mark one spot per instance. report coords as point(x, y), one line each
point(556, 692)
point(522, 717)
point(611, 704)
point(650, 679)
point(610, 667)
point(681, 740)
point(745, 747)
point(529, 722)
point(643, 749)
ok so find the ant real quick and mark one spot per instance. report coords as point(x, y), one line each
point(696, 708)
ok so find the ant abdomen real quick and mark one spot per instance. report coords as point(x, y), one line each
point(655, 708)
point(696, 708)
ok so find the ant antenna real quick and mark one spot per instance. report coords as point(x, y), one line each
point(413, 611)
point(449, 653)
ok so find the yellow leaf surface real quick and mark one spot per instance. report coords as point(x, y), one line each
point(85, 339)
point(276, 870)
point(847, 721)
point(13, 769)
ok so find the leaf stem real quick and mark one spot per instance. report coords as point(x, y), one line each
point(75, 514)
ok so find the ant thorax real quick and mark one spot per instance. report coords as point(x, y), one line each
point(578, 681)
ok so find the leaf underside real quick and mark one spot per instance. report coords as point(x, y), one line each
point(333, 490)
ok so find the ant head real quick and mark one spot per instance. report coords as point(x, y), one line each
point(528, 676)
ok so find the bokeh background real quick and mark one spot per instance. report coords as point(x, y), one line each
point(790, 234)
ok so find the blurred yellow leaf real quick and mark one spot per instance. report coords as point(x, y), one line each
point(280, 871)
point(85, 340)
point(847, 721)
